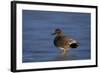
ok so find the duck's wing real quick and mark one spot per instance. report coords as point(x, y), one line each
point(62, 41)
point(67, 40)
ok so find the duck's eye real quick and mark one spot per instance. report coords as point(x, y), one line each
point(74, 45)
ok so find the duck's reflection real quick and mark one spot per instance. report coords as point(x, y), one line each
point(44, 56)
point(65, 56)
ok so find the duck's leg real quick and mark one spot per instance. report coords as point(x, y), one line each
point(65, 52)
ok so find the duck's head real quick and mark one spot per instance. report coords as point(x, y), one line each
point(57, 32)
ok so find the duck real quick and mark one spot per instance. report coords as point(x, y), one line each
point(63, 42)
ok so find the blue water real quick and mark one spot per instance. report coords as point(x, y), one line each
point(38, 42)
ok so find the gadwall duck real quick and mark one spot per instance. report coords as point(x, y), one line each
point(64, 42)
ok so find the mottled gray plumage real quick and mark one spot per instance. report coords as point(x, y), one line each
point(64, 42)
